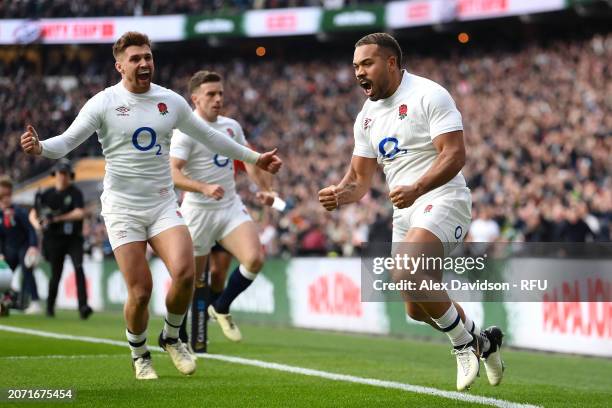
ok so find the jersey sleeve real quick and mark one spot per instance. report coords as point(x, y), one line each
point(442, 114)
point(180, 145)
point(86, 123)
point(240, 137)
point(362, 148)
point(194, 127)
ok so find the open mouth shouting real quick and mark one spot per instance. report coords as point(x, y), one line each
point(144, 75)
point(367, 86)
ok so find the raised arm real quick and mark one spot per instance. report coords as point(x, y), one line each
point(85, 124)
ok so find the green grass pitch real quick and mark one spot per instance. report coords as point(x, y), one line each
point(101, 374)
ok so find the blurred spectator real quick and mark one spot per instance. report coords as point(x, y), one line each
point(313, 242)
point(18, 243)
point(96, 8)
point(483, 227)
point(538, 127)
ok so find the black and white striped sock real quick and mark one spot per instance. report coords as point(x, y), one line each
point(172, 324)
point(451, 324)
point(138, 343)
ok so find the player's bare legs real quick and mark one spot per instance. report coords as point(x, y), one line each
point(200, 266)
point(133, 265)
point(135, 269)
point(243, 242)
point(424, 311)
point(416, 312)
point(440, 310)
point(175, 248)
point(449, 317)
point(220, 262)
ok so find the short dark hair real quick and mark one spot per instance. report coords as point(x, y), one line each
point(5, 181)
point(128, 39)
point(202, 77)
point(383, 40)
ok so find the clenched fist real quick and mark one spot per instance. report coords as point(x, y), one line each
point(328, 197)
point(29, 141)
point(214, 191)
point(266, 197)
point(404, 196)
point(269, 161)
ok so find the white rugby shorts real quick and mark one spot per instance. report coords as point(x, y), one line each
point(125, 225)
point(210, 225)
point(446, 214)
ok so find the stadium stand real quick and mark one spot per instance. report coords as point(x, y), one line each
point(71, 8)
point(538, 124)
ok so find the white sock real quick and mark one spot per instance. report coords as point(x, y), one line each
point(172, 324)
point(138, 343)
point(470, 325)
point(451, 324)
point(246, 273)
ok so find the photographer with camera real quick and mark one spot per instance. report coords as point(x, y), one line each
point(18, 246)
point(59, 212)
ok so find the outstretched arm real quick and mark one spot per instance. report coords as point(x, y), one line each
point(354, 185)
point(85, 124)
point(193, 126)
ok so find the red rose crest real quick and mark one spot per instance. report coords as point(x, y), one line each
point(163, 109)
point(403, 111)
point(230, 132)
point(428, 209)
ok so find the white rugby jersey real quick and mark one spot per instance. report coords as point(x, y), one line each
point(207, 166)
point(134, 131)
point(399, 131)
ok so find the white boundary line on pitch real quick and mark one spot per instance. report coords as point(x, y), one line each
point(297, 370)
point(62, 356)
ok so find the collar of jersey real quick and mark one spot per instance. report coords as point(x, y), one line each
point(393, 99)
point(124, 90)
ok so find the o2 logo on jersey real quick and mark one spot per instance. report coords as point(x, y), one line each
point(458, 232)
point(221, 161)
point(153, 143)
point(388, 148)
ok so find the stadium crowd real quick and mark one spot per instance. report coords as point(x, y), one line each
point(96, 8)
point(538, 130)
